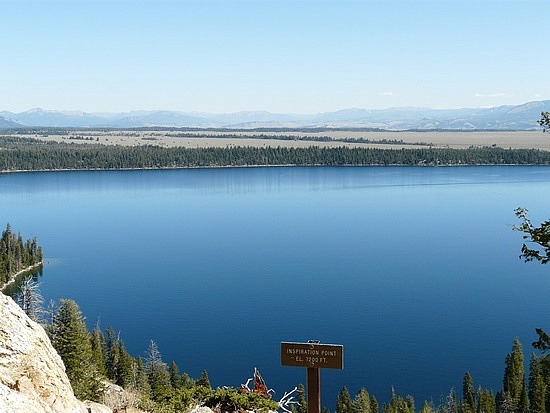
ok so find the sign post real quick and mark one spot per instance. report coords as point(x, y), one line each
point(314, 356)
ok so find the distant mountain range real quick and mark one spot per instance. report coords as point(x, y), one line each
point(510, 117)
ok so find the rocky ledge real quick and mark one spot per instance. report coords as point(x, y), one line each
point(32, 374)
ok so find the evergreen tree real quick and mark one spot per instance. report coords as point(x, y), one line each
point(72, 342)
point(485, 401)
point(175, 378)
point(537, 387)
point(111, 354)
point(398, 404)
point(410, 402)
point(427, 407)
point(361, 402)
point(514, 385)
point(97, 341)
point(140, 382)
point(343, 402)
point(543, 345)
point(203, 380)
point(374, 407)
point(124, 367)
point(450, 405)
point(157, 373)
point(523, 406)
point(301, 399)
point(468, 395)
point(505, 403)
point(187, 382)
point(16, 255)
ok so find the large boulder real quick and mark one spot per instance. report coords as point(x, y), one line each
point(32, 374)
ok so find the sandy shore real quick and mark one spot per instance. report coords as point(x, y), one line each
point(204, 139)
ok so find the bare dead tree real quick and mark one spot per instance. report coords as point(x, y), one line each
point(30, 299)
point(287, 400)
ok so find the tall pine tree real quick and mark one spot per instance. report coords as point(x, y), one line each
point(537, 387)
point(514, 388)
point(125, 373)
point(374, 407)
point(485, 401)
point(97, 341)
point(111, 354)
point(468, 395)
point(175, 378)
point(301, 398)
point(140, 382)
point(343, 402)
point(72, 341)
point(157, 373)
point(203, 380)
point(361, 402)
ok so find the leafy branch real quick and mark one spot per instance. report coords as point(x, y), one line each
point(534, 235)
point(544, 121)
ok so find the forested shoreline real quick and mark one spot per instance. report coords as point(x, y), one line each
point(17, 255)
point(25, 154)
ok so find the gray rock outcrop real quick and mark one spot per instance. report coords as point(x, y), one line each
point(32, 374)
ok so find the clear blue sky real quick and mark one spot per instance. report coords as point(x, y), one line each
point(275, 55)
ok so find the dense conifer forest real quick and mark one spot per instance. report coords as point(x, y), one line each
point(16, 254)
point(25, 154)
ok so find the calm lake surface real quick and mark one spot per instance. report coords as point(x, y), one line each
point(414, 270)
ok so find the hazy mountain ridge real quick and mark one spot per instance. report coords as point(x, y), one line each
point(508, 117)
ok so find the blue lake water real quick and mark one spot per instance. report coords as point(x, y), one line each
point(414, 270)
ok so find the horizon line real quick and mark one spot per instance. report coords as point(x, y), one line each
point(101, 112)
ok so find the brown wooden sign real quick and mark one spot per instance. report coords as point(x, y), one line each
point(312, 355)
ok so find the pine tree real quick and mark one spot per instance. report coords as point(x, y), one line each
point(175, 378)
point(374, 407)
point(450, 405)
point(361, 402)
point(97, 342)
point(399, 405)
point(537, 387)
point(203, 380)
point(505, 403)
point(523, 406)
point(301, 398)
point(468, 396)
point(187, 382)
point(514, 386)
point(111, 354)
point(140, 382)
point(343, 402)
point(124, 367)
point(157, 373)
point(72, 342)
point(486, 402)
point(410, 402)
point(427, 407)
